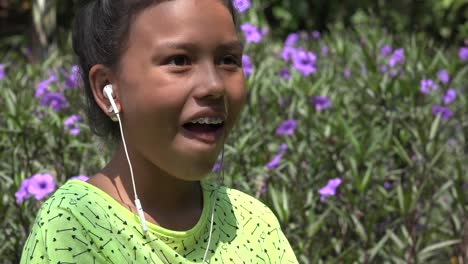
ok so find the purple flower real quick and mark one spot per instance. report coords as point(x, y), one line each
point(41, 87)
point(320, 102)
point(22, 192)
point(463, 53)
point(315, 34)
point(71, 126)
point(216, 167)
point(2, 71)
point(387, 185)
point(452, 142)
point(443, 76)
point(251, 32)
point(40, 185)
point(74, 131)
point(288, 53)
point(385, 50)
point(274, 162)
point(71, 120)
point(398, 57)
point(304, 62)
point(324, 50)
point(329, 189)
point(56, 101)
point(287, 127)
point(449, 96)
point(246, 65)
point(26, 51)
point(282, 148)
point(445, 112)
point(72, 78)
point(346, 73)
point(285, 74)
point(426, 85)
point(80, 178)
point(241, 5)
point(291, 40)
point(383, 68)
point(283, 102)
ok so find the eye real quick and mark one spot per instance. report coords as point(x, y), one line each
point(231, 60)
point(179, 60)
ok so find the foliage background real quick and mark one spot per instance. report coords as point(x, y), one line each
point(379, 130)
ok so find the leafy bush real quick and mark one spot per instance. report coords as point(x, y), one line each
point(370, 167)
point(444, 20)
point(403, 169)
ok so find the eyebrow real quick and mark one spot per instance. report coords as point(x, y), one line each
point(230, 45)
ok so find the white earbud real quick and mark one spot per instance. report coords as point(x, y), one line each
point(108, 93)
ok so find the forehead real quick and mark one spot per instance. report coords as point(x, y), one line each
point(194, 20)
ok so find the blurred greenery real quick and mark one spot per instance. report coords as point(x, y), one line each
point(445, 21)
point(403, 197)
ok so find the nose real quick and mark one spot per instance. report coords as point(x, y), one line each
point(211, 83)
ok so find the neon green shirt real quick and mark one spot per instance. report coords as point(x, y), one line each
point(80, 223)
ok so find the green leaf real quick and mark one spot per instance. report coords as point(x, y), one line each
point(285, 203)
point(360, 230)
point(366, 178)
point(396, 239)
point(401, 152)
point(434, 127)
point(429, 250)
point(276, 203)
point(401, 200)
point(316, 225)
point(376, 249)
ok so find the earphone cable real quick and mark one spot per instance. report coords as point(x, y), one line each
point(137, 201)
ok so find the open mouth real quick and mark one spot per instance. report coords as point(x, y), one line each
point(202, 128)
point(208, 133)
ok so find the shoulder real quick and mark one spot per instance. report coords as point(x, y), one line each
point(245, 207)
point(61, 229)
point(78, 201)
point(73, 196)
point(250, 228)
point(70, 205)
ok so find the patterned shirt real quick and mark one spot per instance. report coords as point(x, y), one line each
point(80, 223)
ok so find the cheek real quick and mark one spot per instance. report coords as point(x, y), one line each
point(149, 117)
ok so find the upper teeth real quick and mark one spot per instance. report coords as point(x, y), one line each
point(208, 120)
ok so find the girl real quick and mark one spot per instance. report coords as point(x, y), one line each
point(164, 80)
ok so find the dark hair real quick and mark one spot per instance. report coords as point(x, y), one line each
point(99, 36)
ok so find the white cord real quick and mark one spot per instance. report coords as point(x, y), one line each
point(137, 201)
point(211, 227)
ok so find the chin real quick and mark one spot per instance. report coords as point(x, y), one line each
point(196, 172)
point(193, 177)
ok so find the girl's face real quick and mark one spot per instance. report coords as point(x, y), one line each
point(183, 61)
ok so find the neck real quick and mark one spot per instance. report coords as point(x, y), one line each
point(164, 197)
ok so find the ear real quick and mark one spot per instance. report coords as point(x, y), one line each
point(99, 76)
